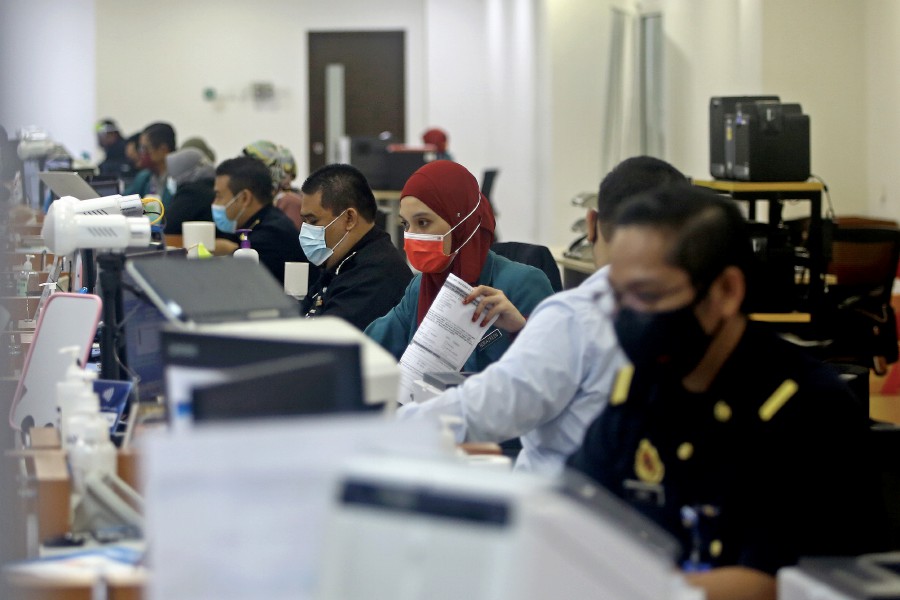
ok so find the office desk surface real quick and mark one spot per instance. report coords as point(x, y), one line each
point(760, 186)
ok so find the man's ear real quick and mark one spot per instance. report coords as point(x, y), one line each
point(730, 289)
point(352, 218)
point(593, 226)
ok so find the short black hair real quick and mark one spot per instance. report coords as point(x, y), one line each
point(631, 176)
point(247, 173)
point(161, 133)
point(709, 230)
point(342, 187)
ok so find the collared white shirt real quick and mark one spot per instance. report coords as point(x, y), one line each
point(549, 385)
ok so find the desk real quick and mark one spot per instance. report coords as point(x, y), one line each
point(775, 193)
point(574, 270)
point(388, 202)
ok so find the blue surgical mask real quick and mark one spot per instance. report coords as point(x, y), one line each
point(312, 241)
point(220, 216)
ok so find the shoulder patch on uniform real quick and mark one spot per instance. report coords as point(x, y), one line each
point(622, 385)
point(778, 399)
point(647, 465)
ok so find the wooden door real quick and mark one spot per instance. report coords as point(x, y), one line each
point(374, 85)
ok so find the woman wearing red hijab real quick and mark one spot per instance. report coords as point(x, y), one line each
point(449, 229)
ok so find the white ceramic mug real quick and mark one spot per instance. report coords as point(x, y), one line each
point(296, 279)
point(198, 232)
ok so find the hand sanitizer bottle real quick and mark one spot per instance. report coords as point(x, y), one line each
point(245, 251)
point(27, 280)
point(92, 453)
point(75, 398)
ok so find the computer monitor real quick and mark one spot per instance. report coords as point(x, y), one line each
point(369, 155)
point(221, 376)
point(324, 381)
point(141, 328)
point(403, 161)
point(215, 290)
point(103, 185)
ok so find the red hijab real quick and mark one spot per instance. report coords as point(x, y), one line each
point(452, 192)
point(436, 137)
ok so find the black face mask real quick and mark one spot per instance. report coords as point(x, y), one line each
point(667, 343)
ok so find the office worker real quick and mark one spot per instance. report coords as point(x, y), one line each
point(362, 274)
point(439, 139)
point(115, 163)
point(193, 175)
point(449, 229)
point(557, 376)
point(748, 451)
point(243, 200)
point(156, 141)
point(283, 168)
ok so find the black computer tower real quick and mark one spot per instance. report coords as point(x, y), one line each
point(771, 142)
point(719, 108)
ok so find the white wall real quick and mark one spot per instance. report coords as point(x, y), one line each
point(482, 86)
point(712, 49)
point(470, 69)
point(823, 67)
point(578, 46)
point(47, 69)
point(154, 60)
point(737, 47)
point(882, 116)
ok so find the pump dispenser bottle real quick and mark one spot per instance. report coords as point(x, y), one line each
point(27, 279)
point(245, 252)
point(75, 398)
point(92, 452)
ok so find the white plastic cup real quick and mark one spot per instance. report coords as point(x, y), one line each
point(296, 279)
point(198, 232)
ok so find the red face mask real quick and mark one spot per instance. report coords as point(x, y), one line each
point(425, 251)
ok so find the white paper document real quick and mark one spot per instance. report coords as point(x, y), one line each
point(444, 340)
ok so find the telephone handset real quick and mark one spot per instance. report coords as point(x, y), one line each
point(580, 249)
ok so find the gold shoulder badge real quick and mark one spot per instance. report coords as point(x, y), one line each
point(622, 385)
point(647, 465)
point(778, 399)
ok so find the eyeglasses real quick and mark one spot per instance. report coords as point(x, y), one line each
point(641, 300)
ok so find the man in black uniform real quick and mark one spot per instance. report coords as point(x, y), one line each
point(745, 449)
point(363, 275)
point(115, 163)
point(243, 200)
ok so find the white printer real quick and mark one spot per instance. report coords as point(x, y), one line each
point(867, 577)
point(409, 529)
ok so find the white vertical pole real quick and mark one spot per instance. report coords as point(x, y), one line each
point(334, 111)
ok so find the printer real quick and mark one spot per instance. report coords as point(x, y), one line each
point(408, 528)
point(867, 577)
point(758, 138)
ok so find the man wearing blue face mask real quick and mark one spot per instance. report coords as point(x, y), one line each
point(244, 201)
point(362, 275)
point(748, 451)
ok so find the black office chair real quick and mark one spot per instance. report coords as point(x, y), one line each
point(856, 316)
point(534, 255)
point(487, 185)
point(487, 181)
